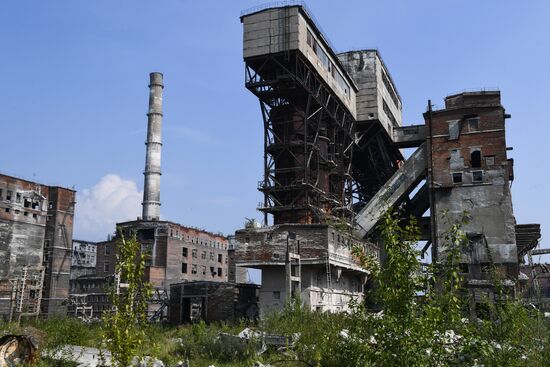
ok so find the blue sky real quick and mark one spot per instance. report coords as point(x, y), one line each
point(74, 94)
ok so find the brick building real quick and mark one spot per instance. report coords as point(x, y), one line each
point(36, 225)
point(176, 253)
point(469, 171)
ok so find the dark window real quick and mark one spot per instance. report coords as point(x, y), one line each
point(184, 268)
point(146, 234)
point(194, 269)
point(18, 197)
point(220, 258)
point(477, 176)
point(219, 272)
point(457, 177)
point(473, 124)
point(212, 271)
point(7, 210)
point(107, 250)
point(184, 252)
point(464, 268)
point(475, 159)
point(50, 205)
point(8, 195)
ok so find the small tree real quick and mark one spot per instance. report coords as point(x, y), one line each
point(124, 326)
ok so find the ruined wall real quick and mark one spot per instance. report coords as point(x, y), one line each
point(36, 224)
point(177, 253)
point(57, 255)
point(471, 173)
point(22, 226)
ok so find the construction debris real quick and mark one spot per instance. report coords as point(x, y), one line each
point(17, 349)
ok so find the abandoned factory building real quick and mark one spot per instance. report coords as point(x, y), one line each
point(36, 226)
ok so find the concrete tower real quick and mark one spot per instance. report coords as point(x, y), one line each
point(151, 187)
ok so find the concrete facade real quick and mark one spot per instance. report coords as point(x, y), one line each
point(36, 224)
point(377, 97)
point(329, 274)
point(291, 28)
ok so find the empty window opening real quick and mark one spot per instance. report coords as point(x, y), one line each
point(212, 271)
point(475, 159)
point(219, 272)
point(184, 252)
point(477, 176)
point(457, 177)
point(220, 258)
point(473, 124)
point(454, 129)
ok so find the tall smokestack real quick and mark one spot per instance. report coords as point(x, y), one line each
point(151, 187)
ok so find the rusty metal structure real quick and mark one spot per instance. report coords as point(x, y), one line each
point(333, 137)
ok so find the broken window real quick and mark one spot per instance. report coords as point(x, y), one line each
point(457, 177)
point(454, 129)
point(184, 268)
point(184, 252)
point(194, 269)
point(473, 124)
point(18, 197)
point(26, 203)
point(475, 159)
point(194, 253)
point(477, 176)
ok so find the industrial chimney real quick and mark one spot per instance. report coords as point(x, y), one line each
point(151, 187)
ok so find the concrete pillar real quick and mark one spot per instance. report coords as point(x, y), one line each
point(151, 187)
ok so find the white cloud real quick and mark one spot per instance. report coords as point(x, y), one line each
point(113, 199)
